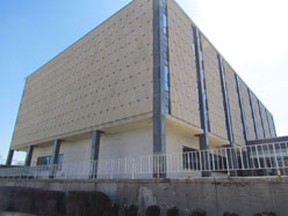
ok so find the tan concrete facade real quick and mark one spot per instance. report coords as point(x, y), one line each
point(216, 109)
point(103, 79)
point(105, 82)
point(184, 104)
point(183, 77)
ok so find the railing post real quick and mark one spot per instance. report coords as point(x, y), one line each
point(133, 168)
point(276, 161)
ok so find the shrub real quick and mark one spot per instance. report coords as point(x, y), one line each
point(112, 210)
point(266, 214)
point(229, 214)
point(130, 210)
point(87, 203)
point(173, 211)
point(153, 210)
point(198, 212)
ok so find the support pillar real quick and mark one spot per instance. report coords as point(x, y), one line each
point(10, 157)
point(95, 146)
point(29, 156)
point(160, 86)
point(203, 114)
point(55, 156)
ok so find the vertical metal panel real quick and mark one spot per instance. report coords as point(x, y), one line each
point(10, 157)
point(204, 138)
point(226, 100)
point(262, 119)
point(56, 150)
point(95, 145)
point(253, 114)
point(54, 158)
point(29, 155)
point(160, 77)
point(240, 96)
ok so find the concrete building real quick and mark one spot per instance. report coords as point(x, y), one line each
point(144, 82)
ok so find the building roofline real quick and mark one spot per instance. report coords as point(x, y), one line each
point(78, 40)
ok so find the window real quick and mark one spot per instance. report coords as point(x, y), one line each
point(47, 160)
point(166, 78)
point(60, 161)
point(164, 21)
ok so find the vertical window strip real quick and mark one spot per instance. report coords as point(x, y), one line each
point(196, 82)
point(241, 103)
point(159, 119)
point(164, 54)
point(269, 123)
point(204, 144)
point(226, 100)
point(262, 119)
point(253, 114)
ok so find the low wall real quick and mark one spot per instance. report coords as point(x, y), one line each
point(244, 196)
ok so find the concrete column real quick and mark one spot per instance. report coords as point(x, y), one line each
point(56, 150)
point(55, 156)
point(29, 155)
point(95, 146)
point(204, 117)
point(10, 157)
point(160, 96)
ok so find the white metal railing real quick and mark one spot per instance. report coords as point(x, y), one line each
point(264, 159)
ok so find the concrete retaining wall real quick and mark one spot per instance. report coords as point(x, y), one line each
point(244, 196)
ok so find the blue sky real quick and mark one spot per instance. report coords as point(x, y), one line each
point(251, 35)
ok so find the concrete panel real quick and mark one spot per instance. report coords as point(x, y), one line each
point(176, 140)
point(271, 121)
point(248, 112)
point(265, 121)
point(257, 116)
point(183, 80)
point(213, 89)
point(234, 105)
point(135, 142)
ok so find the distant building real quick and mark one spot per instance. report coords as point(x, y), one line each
point(144, 82)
